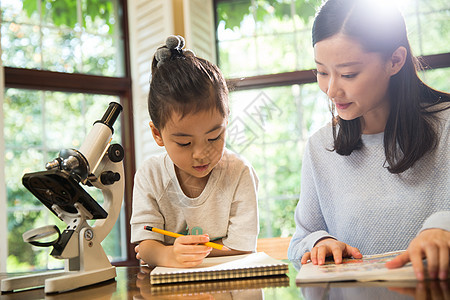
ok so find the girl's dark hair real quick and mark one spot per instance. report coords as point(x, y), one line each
point(409, 131)
point(185, 84)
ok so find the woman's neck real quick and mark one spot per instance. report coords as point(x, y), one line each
point(375, 120)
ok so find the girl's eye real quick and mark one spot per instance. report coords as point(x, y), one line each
point(183, 145)
point(215, 139)
point(348, 76)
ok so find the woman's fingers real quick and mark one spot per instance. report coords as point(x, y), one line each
point(305, 258)
point(444, 262)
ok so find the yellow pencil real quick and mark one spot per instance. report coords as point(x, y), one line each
point(175, 235)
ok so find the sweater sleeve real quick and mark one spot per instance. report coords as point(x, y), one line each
point(440, 219)
point(309, 221)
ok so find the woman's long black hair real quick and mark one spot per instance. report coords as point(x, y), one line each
point(409, 133)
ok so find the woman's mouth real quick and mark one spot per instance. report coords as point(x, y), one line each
point(201, 168)
point(342, 105)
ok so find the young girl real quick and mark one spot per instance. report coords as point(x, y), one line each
point(199, 188)
point(377, 178)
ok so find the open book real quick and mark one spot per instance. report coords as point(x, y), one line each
point(223, 267)
point(369, 268)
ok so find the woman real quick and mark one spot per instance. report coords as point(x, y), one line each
point(377, 178)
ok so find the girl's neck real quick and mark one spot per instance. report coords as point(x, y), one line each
point(191, 186)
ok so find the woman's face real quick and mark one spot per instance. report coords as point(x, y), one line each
point(355, 80)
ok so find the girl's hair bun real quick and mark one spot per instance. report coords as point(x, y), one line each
point(173, 48)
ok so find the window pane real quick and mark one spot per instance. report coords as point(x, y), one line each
point(437, 79)
point(264, 37)
point(267, 37)
point(63, 36)
point(37, 126)
point(427, 24)
point(269, 127)
point(20, 45)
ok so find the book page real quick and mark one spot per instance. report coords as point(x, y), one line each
point(370, 267)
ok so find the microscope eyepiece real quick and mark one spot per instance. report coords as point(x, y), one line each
point(111, 114)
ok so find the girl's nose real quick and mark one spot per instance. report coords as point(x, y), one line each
point(199, 152)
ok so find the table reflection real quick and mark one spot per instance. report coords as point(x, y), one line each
point(134, 283)
point(430, 289)
point(251, 288)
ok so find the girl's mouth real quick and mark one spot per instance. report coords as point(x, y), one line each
point(201, 168)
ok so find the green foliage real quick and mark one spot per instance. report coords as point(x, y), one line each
point(277, 122)
point(18, 223)
point(64, 12)
point(232, 13)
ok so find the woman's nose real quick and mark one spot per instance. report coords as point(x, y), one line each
point(333, 88)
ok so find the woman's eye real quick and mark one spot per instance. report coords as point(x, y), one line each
point(183, 145)
point(353, 75)
point(318, 73)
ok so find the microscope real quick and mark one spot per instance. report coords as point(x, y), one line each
point(97, 163)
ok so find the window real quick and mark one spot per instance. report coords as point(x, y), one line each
point(265, 50)
point(65, 61)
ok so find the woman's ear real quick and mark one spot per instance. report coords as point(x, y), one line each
point(398, 59)
point(156, 134)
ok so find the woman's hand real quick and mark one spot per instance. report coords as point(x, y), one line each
point(330, 247)
point(432, 244)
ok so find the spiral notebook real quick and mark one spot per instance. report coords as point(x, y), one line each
point(223, 267)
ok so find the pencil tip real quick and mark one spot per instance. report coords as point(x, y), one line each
point(226, 248)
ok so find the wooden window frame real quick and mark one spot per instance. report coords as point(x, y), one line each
point(82, 83)
point(430, 62)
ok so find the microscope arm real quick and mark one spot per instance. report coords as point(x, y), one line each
point(112, 195)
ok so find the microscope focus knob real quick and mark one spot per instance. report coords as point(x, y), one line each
point(116, 153)
point(109, 177)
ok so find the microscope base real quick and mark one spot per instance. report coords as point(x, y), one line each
point(60, 281)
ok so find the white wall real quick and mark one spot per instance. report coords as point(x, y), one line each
point(150, 22)
point(3, 214)
point(199, 28)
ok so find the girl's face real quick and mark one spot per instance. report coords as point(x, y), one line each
point(355, 80)
point(195, 143)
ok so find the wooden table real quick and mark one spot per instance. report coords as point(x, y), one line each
point(134, 283)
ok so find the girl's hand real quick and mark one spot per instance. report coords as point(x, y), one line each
point(187, 252)
point(330, 247)
point(432, 244)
